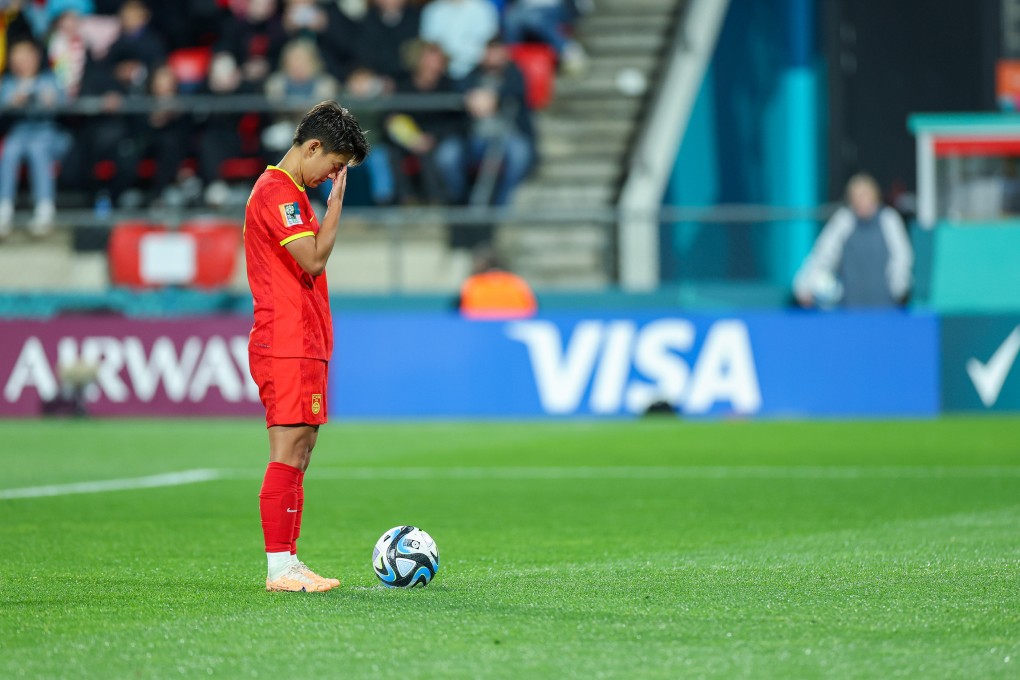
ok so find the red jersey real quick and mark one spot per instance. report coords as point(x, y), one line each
point(292, 316)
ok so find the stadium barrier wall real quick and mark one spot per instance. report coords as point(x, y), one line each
point(979, 357)
point(420, 365)
point(750, 364)
point(180, 367)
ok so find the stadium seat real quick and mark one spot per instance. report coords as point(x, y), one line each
point(218, 242)
point(104, 170)
point(538, 64)
point(191, 66)
point(241, 168)
point(249, 164)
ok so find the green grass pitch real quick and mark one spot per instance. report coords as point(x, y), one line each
point(651, 549)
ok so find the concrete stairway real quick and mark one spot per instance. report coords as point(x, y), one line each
point(585, 140)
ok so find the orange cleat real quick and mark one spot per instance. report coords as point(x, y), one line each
point(328, 582)
point(295, 580)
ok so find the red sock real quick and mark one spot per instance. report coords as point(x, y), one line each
point(297, 516)
point(278, 505)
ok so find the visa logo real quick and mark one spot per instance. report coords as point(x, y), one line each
point(628, 368)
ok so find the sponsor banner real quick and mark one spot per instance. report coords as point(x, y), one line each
point(770, 364)
point(167, 367)
point(438, 365)
point(979, 363)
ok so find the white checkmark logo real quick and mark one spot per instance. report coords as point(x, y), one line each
point(989, 378)
point(289, 510)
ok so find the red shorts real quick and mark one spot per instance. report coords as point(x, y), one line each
point(293, 390)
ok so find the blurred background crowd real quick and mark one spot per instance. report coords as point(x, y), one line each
point(128, 59)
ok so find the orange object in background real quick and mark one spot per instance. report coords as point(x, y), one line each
point(497, 295)
point(1007, 84)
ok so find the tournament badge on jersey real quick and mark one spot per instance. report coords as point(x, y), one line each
point(291, 213)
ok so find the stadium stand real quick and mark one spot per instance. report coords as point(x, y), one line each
point(211, 101)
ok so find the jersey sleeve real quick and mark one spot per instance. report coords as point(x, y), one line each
point(280, 210)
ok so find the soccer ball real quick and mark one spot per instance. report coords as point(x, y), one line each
point(405, 557)
point(826, 289)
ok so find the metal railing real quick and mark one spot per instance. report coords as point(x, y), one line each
point(207, 105)
point(210, 104)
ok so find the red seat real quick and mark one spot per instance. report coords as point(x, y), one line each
point(124, 252)
point(191, 66)
point(104, 170)
point(218, 243)
point(538, 64)
point(146, 168)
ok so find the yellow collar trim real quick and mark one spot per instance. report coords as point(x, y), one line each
point(274, 167)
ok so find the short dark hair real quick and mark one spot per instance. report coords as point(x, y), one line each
point(336, 128)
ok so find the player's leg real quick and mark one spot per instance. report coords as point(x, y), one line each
point(291, 444)
point(279, 388)
point(299, 451)
point(279, 507)
point(314, 378)
point(301, 490)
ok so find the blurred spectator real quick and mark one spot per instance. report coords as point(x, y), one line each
point(462, 28)
point(68, 51)
point(253, 35)
point(34, 137)
point(547, 21)
point(300, 77)
point(329, 27)
point(250, 42)
point(492, 292)
point(14, 26)
point(500, 118)
point(138, 50)
point(124, 71)
point(184, 23)
point(164, 136)
point(382, 37)
point(428, 135)
point(862, 257)
point(48, 12)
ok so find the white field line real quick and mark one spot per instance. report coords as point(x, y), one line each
point(647, 472)
point(150, 482)
point(528, 473)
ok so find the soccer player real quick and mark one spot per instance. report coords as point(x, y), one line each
point(292, 339)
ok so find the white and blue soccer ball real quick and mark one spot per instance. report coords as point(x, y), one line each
point(405, 557)
point(826, 289)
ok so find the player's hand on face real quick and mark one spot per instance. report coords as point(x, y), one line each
point(339, 186)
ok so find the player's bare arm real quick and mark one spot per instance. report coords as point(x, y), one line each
point(312, 252)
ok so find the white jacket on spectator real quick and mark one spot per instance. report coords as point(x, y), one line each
point(870, 260)
point(462, 28)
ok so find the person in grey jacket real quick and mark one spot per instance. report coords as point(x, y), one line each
point(862, 257)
